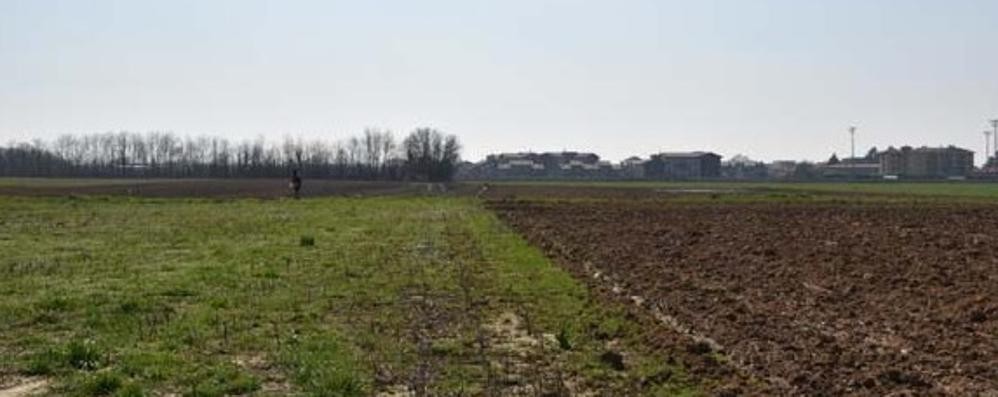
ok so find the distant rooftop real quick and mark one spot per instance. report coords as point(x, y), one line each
point(687, 154)
point(928, 149)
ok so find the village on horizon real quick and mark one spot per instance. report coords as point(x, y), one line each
point(906, 162)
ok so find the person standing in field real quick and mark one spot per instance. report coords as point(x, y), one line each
point(295, 183)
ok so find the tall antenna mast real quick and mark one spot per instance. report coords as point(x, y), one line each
point(852, 140)
point(994, 124)
point(852, 144)
point(987, 145)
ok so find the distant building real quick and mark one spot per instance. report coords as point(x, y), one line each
point(683, 165)
point(781, 169)
point(740, 167)
point(588, 166)
point(851, 168)
point(926, 162)
point(551, 165)
point(632, 168)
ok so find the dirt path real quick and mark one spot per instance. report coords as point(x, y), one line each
point(499, 352)
point(27, 387)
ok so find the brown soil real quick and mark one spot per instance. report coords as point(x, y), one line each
point(507, 191)
point(815, 299)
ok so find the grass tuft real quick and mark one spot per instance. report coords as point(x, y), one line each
point(103, 384)
point(564, 338)
point(44, 363)
point(83, 355)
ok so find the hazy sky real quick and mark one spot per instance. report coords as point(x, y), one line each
point(771, 79)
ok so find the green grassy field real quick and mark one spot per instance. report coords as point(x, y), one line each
point(329, 297)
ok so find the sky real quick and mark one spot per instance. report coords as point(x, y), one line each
point(771, 79)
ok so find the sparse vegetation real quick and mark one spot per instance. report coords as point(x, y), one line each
point(102, 384)
point(83, 355)
point(135, 296)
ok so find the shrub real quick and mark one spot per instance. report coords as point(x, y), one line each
point(307, 241)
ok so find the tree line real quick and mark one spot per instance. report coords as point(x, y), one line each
point(425, 154)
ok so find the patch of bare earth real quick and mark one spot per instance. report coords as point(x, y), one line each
point(24, 387)
point(272, 380)
point(470, 338)
point(518, 362)
point(527, 363)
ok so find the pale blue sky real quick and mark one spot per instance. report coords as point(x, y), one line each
point(771, 79)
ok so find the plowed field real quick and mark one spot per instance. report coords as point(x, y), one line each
point(813, 299)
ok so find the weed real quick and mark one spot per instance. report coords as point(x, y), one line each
point(129, 307)
point(340, 386)
point(306, 241)
point(179, 292)
point(445, 347)
point(84, 355)
point(224, 381)
point(55, 304)
point(130, 390)
point(103, 384)
point(564, 338)
point(44, 363)
point(323, 366)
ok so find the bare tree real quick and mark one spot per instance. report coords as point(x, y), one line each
point(373, 155)
point(430, 155)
